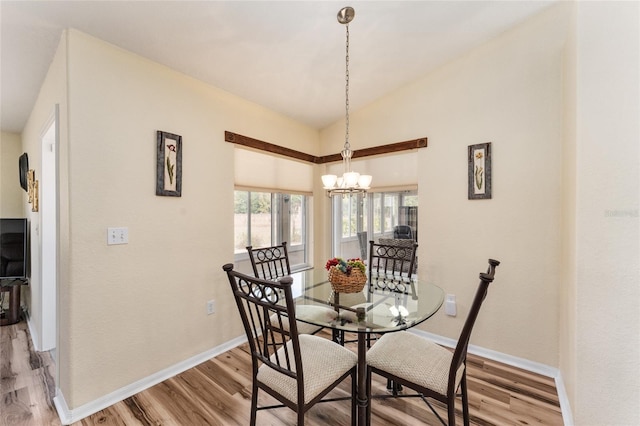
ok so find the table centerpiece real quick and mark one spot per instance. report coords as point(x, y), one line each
point(346, 276)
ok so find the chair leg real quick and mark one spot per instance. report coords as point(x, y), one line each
point(393, 387)
point(254, 403)
point(465, 398)
point(451, 413)
point(354, 392)
point(368, 381)
point(300, 410)
point(451, 410)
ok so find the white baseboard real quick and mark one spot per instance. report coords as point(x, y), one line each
point(35, 337)
point(525, 364)
point(68, 416)
point(565, 407)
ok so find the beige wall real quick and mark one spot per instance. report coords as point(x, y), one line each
point(11, 193)
point(607, 339)
point(508, 92)
point(131, 310)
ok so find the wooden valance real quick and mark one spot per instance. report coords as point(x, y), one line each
point(287, 152)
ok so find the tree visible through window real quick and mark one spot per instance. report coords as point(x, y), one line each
point(263, 219)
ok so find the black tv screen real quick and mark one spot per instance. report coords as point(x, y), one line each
point(13, 248)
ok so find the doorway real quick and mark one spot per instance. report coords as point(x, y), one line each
point(49, 234)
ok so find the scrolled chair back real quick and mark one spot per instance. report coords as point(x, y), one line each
point(270, 263)
point(265, 306)
point(392, 265)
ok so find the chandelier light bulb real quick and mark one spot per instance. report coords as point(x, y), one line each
point(329, 181)
point(351, 179)
point(365, 181)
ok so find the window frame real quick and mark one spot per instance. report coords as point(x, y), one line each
point(280, 226)
point(366, 205)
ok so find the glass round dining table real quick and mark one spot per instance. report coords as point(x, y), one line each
point(386, 304)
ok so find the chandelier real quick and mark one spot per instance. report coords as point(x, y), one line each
point(350, 182)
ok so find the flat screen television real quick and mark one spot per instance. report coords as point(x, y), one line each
point(13, 248)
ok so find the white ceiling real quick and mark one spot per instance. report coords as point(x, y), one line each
point(285, 55)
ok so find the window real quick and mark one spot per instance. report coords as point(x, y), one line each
point(264, 219)
point(350, 216)
point(376, 213)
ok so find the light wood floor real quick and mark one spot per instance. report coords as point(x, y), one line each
point(217, 392)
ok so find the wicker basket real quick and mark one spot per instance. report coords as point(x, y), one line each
point(341, 283)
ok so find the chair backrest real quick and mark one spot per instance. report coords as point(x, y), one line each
point(391, 260)
point(460, 352)
point(362, 242)
point(270, 263)
point(403, 232)
point(265, 306)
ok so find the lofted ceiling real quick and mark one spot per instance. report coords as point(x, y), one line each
point(288, 56)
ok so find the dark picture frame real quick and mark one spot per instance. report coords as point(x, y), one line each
point(479, 159)
point(23, 169)
point(169, 164)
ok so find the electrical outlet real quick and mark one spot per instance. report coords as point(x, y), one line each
point(450, 305)
point(211, 307)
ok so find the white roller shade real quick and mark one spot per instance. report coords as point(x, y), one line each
point(262, 170)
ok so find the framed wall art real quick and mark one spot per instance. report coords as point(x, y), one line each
point(23, 169)
point(479, 159)
point(32, 190)
point(169, 164)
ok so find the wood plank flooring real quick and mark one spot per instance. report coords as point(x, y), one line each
point(218, 392)
point(26, 380)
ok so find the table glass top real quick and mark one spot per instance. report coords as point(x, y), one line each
point(385, 304)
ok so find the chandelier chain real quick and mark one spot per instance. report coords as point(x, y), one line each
point(346, 90)
point(350, 183)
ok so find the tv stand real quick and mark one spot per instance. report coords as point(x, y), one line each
point(11, 286)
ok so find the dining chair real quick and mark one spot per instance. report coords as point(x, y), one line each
point(391, 263)
point(391, 268)
point(271, 263)
point(298, 370)
point(426, 367)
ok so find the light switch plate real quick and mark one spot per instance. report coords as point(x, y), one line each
point(117, 235)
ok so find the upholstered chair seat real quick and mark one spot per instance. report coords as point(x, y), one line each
point(413, 358)
point(323, 362)
point(321, 313)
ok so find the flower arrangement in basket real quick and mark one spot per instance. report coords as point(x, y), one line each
point(346, 276)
